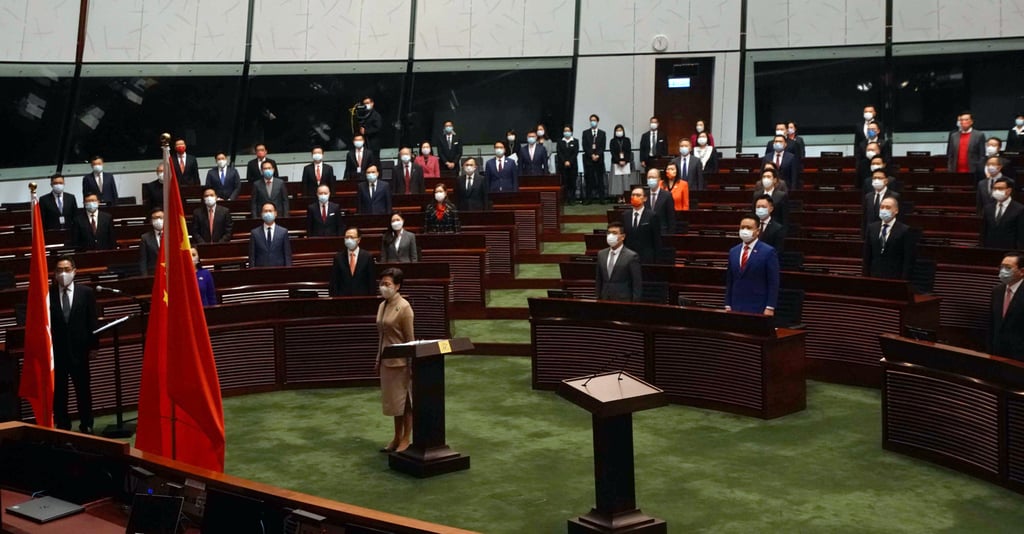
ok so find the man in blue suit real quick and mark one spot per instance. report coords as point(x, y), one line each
point(100, 183)
point(501, 172)
point(268, 243)
point(374, 195)
point(752, 279)
point(787, 165)
point(223, 179)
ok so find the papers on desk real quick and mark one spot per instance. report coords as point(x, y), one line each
point(621, 169)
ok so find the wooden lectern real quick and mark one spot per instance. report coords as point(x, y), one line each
point(612, 398)
point(428, 455)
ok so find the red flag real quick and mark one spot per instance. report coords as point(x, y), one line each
point(187, 385)
point(37, 369)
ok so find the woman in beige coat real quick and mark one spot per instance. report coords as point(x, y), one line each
point(394, 324)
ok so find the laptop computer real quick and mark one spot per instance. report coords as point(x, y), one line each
point(154, 514)
point(45, 509)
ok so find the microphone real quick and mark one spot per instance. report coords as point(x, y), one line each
point(110, 290)
point(608, 364)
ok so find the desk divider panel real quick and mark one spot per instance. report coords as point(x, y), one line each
point(561, 353)
point(722, 370)
point(329, 352)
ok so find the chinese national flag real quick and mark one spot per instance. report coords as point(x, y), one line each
point(37, 369)
point(180, 411)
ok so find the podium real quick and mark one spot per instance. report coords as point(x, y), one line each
point(612, 398)
point(428, 455)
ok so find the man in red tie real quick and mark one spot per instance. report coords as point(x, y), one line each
point(408, 176)
point(752, 279)
point(323, 217)
point(186, 167)
point(1006, 321)
point(317, 173)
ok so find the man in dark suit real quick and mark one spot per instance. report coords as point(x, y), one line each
point(471, 190)
point(153, 192)
point(872, 201)
point(270, 189)
point(643, 229)
point(149, 247)
point(770, 185)
point(268, 243)
point(566, 153)
point(224, 180)
point(1006, 321)
point(449, 148)
point(407, 178)
point(317, 174)
point(860, 132)
point(993, 172)
point(965, 149)
point(202, 229)
point(689, 166)
point(502, 173)
point(874, 142)
point(1002, 223)
point(93, 229)
point(533, 157)
point(786, 164)
point(72, 322)
point(101, 183)
point(994, 148)
point(594, 144)
point(618, 269)
point(57, 207)
point(652, 146)
point(359, 159)
point(752, 278)
point(373, 195)
point(792, 147)
point(370, 124)
point(890, 247)
point(769, 229)
point(323, 217)
point(254, 169)
point(185, 165)
point(353, 273)
point(660, 202)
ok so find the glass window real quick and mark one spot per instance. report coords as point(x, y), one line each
point(35, 100)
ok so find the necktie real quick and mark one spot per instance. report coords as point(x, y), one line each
point(99, 182)
point(222, 177)
point(762, 227)
point(158, 236)
point(268, 237)
point(359, 159)
point(65, 302)
point(449, 141)
point(611, 263)
point(469, 183)
point(778, 160)
point(878, 199)
point(636, 219)
point(743, 258)
point(1006, 300)
point(654, 142)
point(654, 198)
point(499, 164)
point(407, 179)
point(686, 159)
point(990, 180)
point(885, 234)
point(352, 262)
point(60, 203)
point(372, 189)
point(999, 212)
point(318, 174)
point(323, 212)
point(270, 187)
point(92, 223)
point(211, 224)
point(182, 166)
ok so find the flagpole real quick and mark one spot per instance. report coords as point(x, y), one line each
point(165, 146)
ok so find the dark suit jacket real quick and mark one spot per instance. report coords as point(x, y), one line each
point(317, 227)
point(379, 204)
point(277, 254)
point(860, 139)
point(109, 193)
point(254, 172)
point(975, 151)
point(153, 192)
point(537, 165)
point(149, 252)
point(373, 124)
point(660, 147)
point(416, 183)
point(369, 158)
point(82, 236)
point(232, 182)
point(984, 193)
point(645, 240)
point(1006, 334)
point(346, 284)
point(190, 174)
point(775, 235)
point(449, 153)
point(475, 199)
point(567, 151)
point(221, 225)
point(408, 251)
point(896, 259)
point(309, 185)
point(665, 210)
point(869, 213)
point(620, 146)
point(756, 286)
point(694, 171)
point(278, 196)
point(1008, 232)
point(505, 181)
point(789, 172)
point(593, 145)
point(780, 199)
point(72, 340)
point(625, 282)
point(51, 215)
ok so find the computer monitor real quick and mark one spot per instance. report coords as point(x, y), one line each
point(230, 513)
point(154, 514)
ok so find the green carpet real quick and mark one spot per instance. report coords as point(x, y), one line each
point(576, 247)
point(580, 228)
point(538, 270)
point(493, 331)
point(512, 298)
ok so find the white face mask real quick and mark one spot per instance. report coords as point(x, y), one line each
point(371, 178)
point(357, 144)
point(323, 198)
point(439, 196)
point(210, 201)
point(57, 188)
point(999, 195)
point(876, 168)
point(762, 213)
point(160, 176)
point(405, 158)
point(222, 163)
point(1019, 122)
point(369, 107)
point(499, 152)
point(992, 170)
point(469, 169)
point(158, 225)
point(702, 141)
point(510, 138)
point(871, 154)
point(387, 292)
point(318, 157)
point(746, 235)
point(868, 115)
point(97, 168)
point(652, 183)
point(620, 134)
point(654, 126)
point(540, 133)
point(612, 239)
point(350, 243)
point(700, 129)
point(425, 150)
point(780, 132)
point(790, 131)
point(885, 215)
point(878, 184)
point(684, 151)
point(991, 151)
point(396, 225)
point(91, 207)
point(65, 279)
point(767, 183)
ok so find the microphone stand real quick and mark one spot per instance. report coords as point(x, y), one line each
point(123, 428)
point(608, 364)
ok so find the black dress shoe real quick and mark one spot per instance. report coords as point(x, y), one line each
point(85, 429)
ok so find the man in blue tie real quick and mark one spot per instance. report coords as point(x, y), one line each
point(223, 179)
point(752, 279)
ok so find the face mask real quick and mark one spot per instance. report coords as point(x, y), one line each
point(396, 225)
point(870, 154)
point(790, 131)
point(160, 176)
point(65, 279)
point(746, 235)
point(778, 147)
point(387, 292)
point(405, 158)
point(767, 183)
point(439, 196)
point(762, 213)
point(868, 115)
point(222, 163)
point(1005, 275)
point(369, 107)
point(780, 132)
point(371, 178)
point(323, 198)
point(612, 239)
point(877, 184)
point(268, 173)
point(684, 151)
point(179, 149)
point(268, 217)
point(991, 151)
point(97, 168)
point(872, 134)
point(318, 157)
point(499, 152)
point(999, 195)
point(593, 124)
point(57, 188)
point(350, 243)
point(425, 151)
point(567, 135)
point(636, 202)
point(876, 168)
point(511, 139)
point(210, 201)
point(702, 141)
point(540, 133)
point(652, 183)
point(469, 170)
point(885, 215)
point(1019, 122)
point(531, 140)
point(992, 170)
point(654, 126)
point(620, 134)
point(158, 225)
point(91, 207)
point(357, 144)
point(448, 129)
point(700, 129)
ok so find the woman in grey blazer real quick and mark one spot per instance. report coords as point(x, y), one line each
point(399, 244)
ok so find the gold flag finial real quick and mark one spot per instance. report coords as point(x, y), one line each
point(165, 139)
point(32, 186)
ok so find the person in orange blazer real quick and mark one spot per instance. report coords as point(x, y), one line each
point(679, 188)
point(395, 325)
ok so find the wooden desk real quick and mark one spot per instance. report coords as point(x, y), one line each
point(712, 359)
